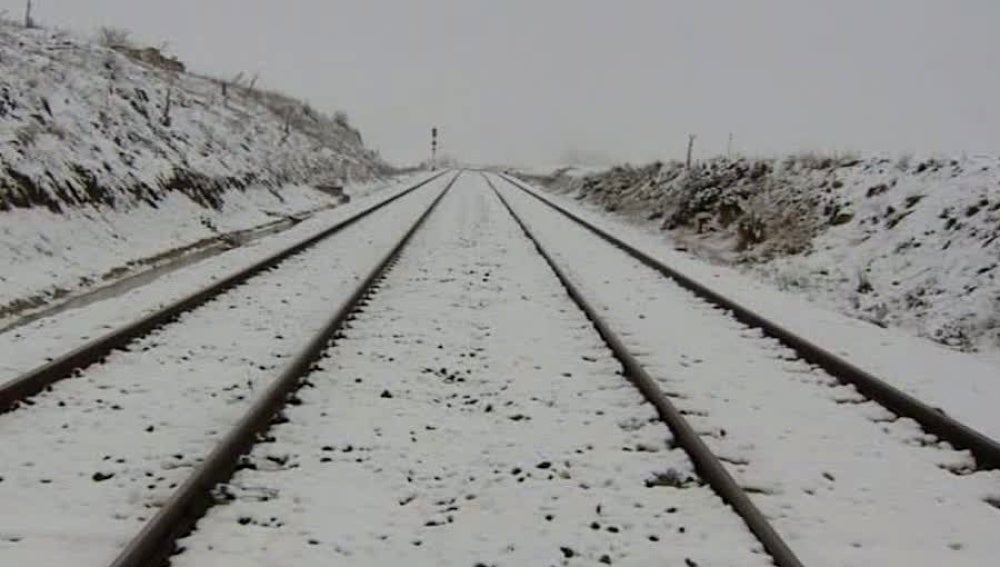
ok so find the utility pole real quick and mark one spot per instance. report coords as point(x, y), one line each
point(28, 23)
point(434, 148)
point(729, 146)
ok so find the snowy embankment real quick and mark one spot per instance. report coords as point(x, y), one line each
point(900, 243)
point(112, 159)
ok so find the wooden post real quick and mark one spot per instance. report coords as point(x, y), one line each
point(691, 138)
point(166, 107)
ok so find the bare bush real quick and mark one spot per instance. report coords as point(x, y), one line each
point(114, 37)
point(815, 160)
point(810, 160)
point(903, 163)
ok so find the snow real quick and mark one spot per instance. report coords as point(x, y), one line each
point(927, 246)
point(45, 251)
point(964, 385)
point(844, 481)
point(471, 415)
point(572, 170)
point(89, 461)
point(31, 345)
point(92, 183)
point(912, 243)
point(72, 111)
point(57, 258)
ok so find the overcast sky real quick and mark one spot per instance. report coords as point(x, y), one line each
point(528, 81)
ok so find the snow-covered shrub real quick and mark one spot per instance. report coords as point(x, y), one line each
point(114, 37)
point(903, 163)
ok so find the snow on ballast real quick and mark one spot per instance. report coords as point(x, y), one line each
point(469, 416)
point(843, 479)
point(96, 456)
point(17, 390)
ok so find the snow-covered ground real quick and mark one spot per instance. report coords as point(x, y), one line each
point(84, 124)
point(50, 255)
point(909, 243)
point(31, 345)
point(964, 385)
point(86, 463)
point(843, 480)
point(471, 416)
point(55, 258)
point(94, 183)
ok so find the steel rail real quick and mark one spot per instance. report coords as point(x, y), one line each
point(708, 466)
point(13, 392)
point(984, 449)
point(154, 544)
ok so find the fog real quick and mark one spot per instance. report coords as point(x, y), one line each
point(536, 82)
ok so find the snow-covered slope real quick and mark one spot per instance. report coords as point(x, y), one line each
point(906, 243)
point(83, 123)
point(114, 156)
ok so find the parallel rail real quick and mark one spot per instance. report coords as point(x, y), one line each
point(155, 542)
point(706, 463)
point(15, 391)
point(984, 449)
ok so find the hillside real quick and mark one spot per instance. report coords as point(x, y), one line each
point(903, 243)
point(86, 124)
point(113, 157)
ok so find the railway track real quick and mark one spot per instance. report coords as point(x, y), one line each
point(706, 463)
point(985, 449)
point(505, 386)
point(95, 457)
point(830, 467)
point(470, 415)
point(16, 390)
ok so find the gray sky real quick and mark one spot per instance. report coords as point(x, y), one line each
point(527, 81)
